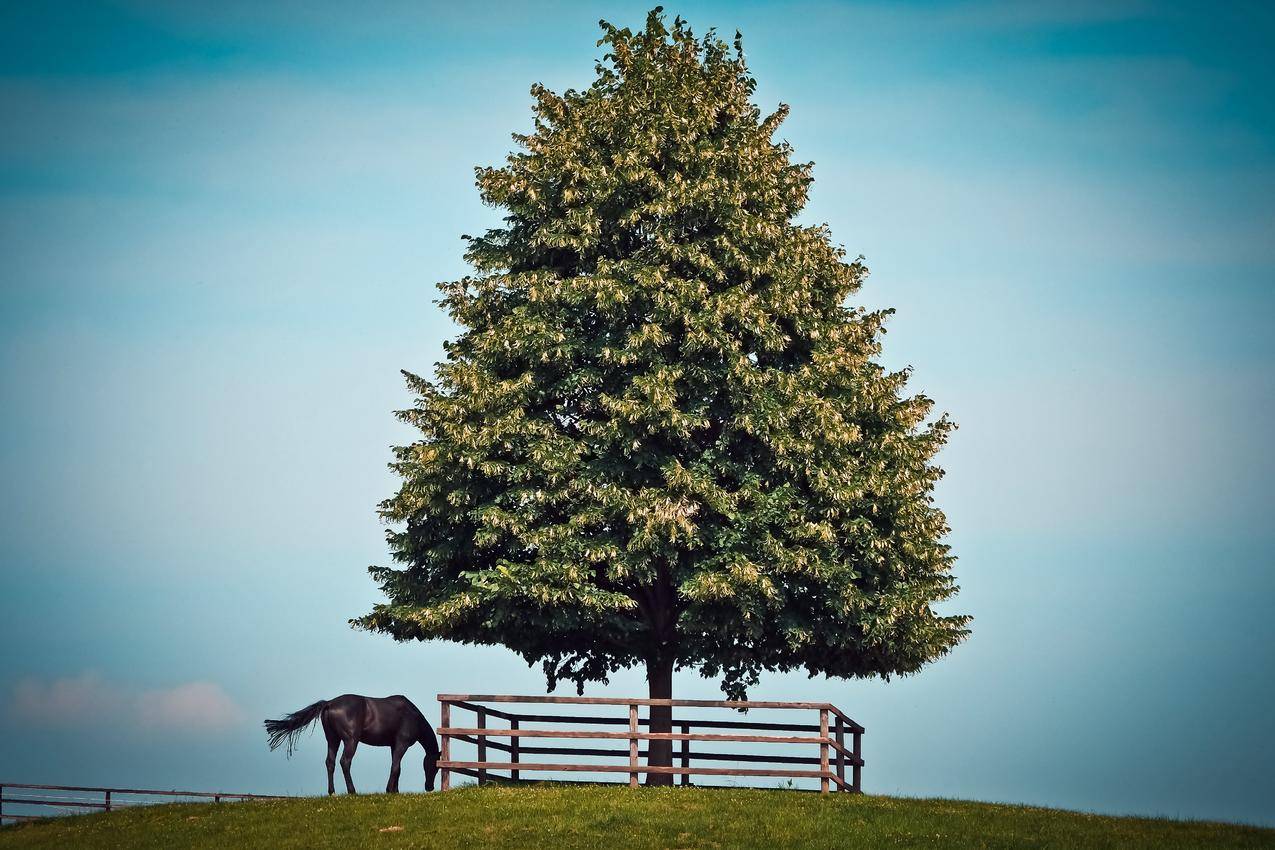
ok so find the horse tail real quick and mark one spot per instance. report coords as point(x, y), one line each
point(287, 729)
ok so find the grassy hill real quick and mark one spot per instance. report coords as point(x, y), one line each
point(561, 817)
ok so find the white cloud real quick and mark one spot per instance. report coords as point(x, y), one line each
point(66, 701)
point(198, 705)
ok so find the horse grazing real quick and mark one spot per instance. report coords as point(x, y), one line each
point(351, 719)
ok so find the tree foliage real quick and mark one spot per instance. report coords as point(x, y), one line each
point(662, 436)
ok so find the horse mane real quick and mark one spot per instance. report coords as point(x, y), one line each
point(428, 739)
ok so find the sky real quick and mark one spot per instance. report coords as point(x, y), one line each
point(220, 229)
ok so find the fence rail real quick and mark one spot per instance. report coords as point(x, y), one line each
point(829, 767)
point(110, 798)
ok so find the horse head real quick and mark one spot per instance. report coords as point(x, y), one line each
point(431, 769)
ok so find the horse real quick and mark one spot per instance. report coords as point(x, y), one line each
point(352, 719)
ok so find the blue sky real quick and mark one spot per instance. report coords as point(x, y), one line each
point(221, 225)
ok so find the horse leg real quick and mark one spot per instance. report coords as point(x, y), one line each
point(331, 764)
point(334, 741)
point(347, 756)
point(396, 763)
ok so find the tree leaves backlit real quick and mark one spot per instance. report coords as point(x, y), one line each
point(663, 434)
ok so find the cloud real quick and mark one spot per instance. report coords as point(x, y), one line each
point(67, 701)
point(61, 702)
point(199, 705)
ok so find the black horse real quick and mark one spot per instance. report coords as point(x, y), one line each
point(351, 719)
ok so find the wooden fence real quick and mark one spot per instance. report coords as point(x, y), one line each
point(78, 799)
point(834, 726)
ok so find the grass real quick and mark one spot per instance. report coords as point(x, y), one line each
point(562, 817)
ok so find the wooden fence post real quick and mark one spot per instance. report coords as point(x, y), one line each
point(486, 768)
point(841, 753)
point(686, 753)
point(823, 750)
point(858, 761)
point(513, 749)
point(446, 720)
point(482, 746)
point(633, 745)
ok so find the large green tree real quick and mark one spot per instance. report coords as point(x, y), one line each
point(661, 437)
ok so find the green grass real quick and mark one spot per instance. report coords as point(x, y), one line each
point(559, 817)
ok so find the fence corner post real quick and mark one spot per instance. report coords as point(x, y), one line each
point(482, 745)
point(686, 753)
point(514, 746)
point(633, 745)
point(841, 754)
point(856, 769)
point(823, 750)
point(445, 718)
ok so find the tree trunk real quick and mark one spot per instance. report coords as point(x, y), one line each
point(659, 678)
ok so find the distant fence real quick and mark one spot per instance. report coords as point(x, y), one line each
point(24, 801)
point(835, 753)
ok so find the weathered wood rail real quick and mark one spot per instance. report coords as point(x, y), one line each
point(79, 797)
point(834, 726)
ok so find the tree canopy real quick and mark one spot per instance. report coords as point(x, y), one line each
point(662, 436)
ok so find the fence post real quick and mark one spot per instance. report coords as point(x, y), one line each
point(108, 801)
point(445, 719)
point(1, 804)
point(513, 749)
point(841, 754)
point(823, 750)
point(482, 745)
point(858, 760)
point(633, 745)
point(686, 753)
